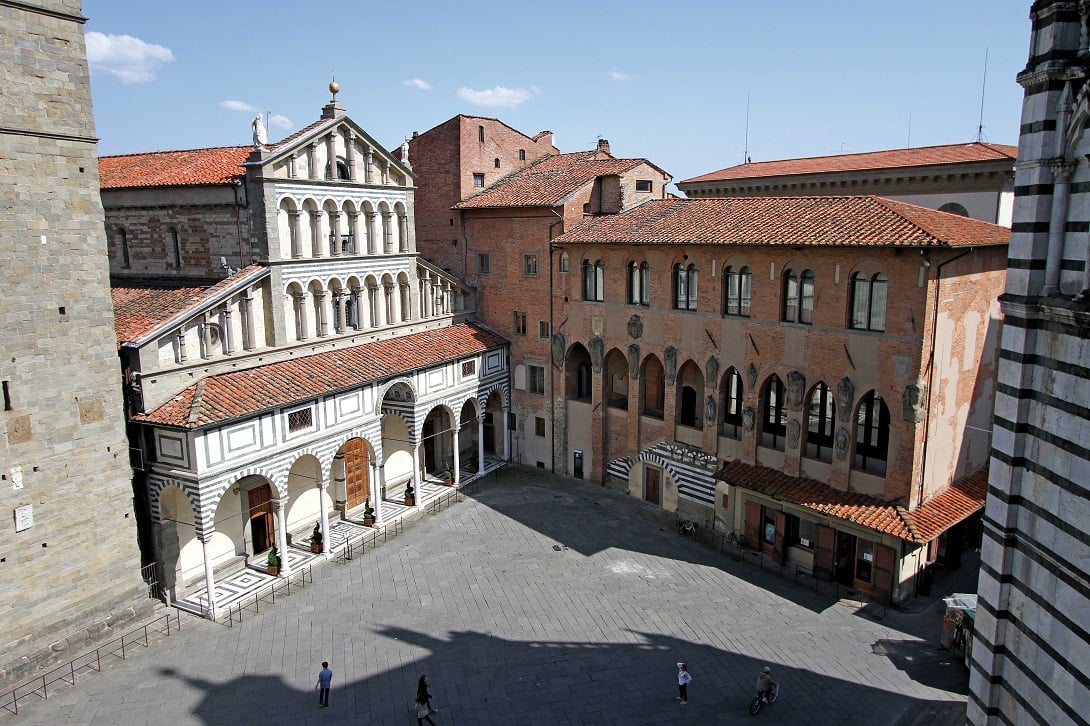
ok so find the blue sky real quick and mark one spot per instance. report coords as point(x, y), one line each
point(666, 81)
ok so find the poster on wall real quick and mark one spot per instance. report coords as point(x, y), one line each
point(24, 517)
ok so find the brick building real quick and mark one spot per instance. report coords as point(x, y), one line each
point(508, 228)
point(453, 161)
point(974, 180)
point(69, 560)
point(289, 358)
point(837, 352)
point(1031, 648)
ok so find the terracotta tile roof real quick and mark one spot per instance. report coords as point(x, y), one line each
point(955, 503)
point(242, 393)
point(191, 167)
point(893, 159)
point(549, 181)
point(852, 221)
point(140, 309)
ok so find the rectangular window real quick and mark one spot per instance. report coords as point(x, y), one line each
point(539, 425)
point(537, 379)
point(643, 185)
point(529, 265)
point(520, 323)
point(522, 154)
point(484, 263)
point(864, 550)
point(469, 367)
point(801, 532)
point(478, 181)
point(300, 420)
point(543, 328)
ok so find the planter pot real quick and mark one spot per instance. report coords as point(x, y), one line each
point(449, 482)
point(368, 521)
point(273, 569)
point(315, 547)
point(410, 501)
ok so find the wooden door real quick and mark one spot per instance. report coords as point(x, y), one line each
point(752, 530)
point(652, 481)
point(261, 520)
point(780, 547)
point(357, 473)
point(884, 558)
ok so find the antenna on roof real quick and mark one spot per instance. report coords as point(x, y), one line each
point(983, 85)
point(745, 154)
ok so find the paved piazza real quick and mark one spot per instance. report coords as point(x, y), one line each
point(536, 600)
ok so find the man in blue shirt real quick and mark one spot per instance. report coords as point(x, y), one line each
point(325, 677)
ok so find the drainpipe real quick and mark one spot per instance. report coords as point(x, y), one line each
point(931, 370)
point(552, 329)
point(238, 221)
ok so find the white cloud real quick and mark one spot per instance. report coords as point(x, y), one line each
point(129, 59)
point(618, 75)
point(277, 121)
point(231, 105)
point(495, 97)
point(418, 83)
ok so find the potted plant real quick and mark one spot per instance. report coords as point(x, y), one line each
point(368, 514)
point(316, 538)
point(410, 495)
point(273, 562)
point(448, 475)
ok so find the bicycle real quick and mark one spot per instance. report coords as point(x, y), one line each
point(763, 698)
point(687, 527)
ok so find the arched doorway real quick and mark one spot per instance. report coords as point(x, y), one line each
point(357, 473)
point(262, 528)
point(493, 422)
point(436, 440)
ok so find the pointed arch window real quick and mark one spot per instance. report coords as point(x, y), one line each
point(639, 283)
point(872, 435)
point(773, 415)
point(798, 297)
point(594, 280)
point(732, 405)
point(821, 415)
point(738, 291)
point(869, 302)
point(684, 287)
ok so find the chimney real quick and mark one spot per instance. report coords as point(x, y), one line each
point(603, 145)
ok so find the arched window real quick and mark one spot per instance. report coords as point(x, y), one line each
point(497, 163)
point(954, 208)
point(565, 262)
point(685, 287)
point(738, 291)
point(869, 302)
point(123, 240)
point(819, 429)
point(594, 281)
point(732, 405)
point(773, 414)
point(653, 382)
point(639, 283)
point(872, 435)
point(798, 297)
point(480, 133)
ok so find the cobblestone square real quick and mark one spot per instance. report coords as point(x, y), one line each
point(536, 600)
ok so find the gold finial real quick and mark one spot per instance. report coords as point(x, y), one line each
point(334, 86)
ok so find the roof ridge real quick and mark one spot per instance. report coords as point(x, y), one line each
point(195, 404)
point(232, 147)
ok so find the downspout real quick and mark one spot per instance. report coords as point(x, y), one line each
point(931, 371)
point(238, 222)
point(552, 328)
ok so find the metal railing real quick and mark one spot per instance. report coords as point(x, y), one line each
point(90, 661)
point(267, 594)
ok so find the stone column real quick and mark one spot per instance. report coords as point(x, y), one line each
point(249, 343)
point(228, 342)
point(357, 305)
point(350, 153)
point(181, 346)
point(480, 444)
point(282, 535)
point(312, 161)
point(331, 155)
point(315, 234)
point(209, 579)
point(340, 321)
point(1062, 170)
point(335, 234)
point(369, 160)
point(416, 476)
point(506, 436)
point(325, 518)
point(340, 485)
point(380, 484)
point(321, 315)
point(299, 302)
point(354, 231)
point(293, 233)
point(369, 231)
point(457, 456)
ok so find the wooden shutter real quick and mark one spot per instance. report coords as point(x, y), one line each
point(753, 524)
point(780, 548)
point(823, 552)
point(884, 559)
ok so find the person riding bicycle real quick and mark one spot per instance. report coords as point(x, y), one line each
point(765, 682)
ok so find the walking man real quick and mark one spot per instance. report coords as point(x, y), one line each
point(325, 677)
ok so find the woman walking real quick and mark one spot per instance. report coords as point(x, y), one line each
point(423, 702)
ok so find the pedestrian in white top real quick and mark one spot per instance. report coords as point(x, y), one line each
point(683, 680)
